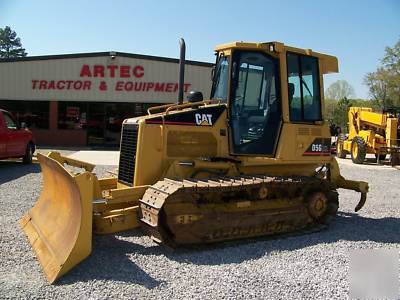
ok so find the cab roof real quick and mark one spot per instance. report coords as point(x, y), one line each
point(329, 63)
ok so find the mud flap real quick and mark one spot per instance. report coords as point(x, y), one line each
point(59, 226)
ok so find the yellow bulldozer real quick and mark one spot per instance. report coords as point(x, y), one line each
point(252, 160)
point(371, 132)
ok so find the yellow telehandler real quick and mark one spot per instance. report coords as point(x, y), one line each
point(253, 160)
point(371, 132)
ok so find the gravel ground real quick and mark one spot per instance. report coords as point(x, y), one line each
point(130, 265)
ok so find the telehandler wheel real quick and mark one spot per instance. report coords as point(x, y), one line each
point(380, 156)
point(395, 159)
point(358, 150)
point(340, 152)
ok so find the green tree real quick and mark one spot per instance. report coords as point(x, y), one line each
point(10, 45)
point(384, 83)
point(377, 83)
point(365, 103)
point(340, 113)
point(337, 102)
point(339, 89)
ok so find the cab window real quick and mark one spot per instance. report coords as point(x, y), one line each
point(220, 86)
point(9, 121)
point(303, 88)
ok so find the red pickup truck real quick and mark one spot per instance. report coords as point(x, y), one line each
point(15, 141)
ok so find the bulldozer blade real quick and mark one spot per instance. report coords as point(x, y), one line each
point(59, 226)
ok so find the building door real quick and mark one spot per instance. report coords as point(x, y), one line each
point(95, 124)
point(104, 121)
point(114, 116)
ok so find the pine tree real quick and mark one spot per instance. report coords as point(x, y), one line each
point(10, 45)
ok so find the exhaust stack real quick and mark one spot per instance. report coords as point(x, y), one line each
point(181, 69)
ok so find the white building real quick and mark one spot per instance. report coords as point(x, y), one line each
point(81, 99)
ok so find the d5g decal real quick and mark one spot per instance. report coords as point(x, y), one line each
point(319, 147)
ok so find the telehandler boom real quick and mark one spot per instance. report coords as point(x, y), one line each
point(253, 160)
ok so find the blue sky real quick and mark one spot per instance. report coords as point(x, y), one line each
point(355, 31)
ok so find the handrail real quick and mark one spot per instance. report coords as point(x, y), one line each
point(173, 106)
point(149, 110)
point(190, 104)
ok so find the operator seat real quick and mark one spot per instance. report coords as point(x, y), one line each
point(295, 113)
point(291, 92)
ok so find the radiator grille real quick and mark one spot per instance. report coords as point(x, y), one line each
point(127, 156)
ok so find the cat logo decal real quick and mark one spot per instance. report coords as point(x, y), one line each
point(203, 119)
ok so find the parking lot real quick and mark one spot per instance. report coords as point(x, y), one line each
point(130, 265)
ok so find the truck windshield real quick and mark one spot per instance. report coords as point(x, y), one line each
point(220, 84)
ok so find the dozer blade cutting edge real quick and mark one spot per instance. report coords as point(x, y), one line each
point(59, 226)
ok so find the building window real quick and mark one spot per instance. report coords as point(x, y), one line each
point(104, 120)
point(72, 115)
point(303, 87)
point(35, 114)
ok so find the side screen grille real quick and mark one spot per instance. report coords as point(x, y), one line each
point(127, 156)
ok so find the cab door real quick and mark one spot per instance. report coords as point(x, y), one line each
point(15, 142)
point(3, 137)
point(255, 104)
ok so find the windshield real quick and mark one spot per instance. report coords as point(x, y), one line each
point(220, 85)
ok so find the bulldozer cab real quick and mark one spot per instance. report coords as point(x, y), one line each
point(266, 85)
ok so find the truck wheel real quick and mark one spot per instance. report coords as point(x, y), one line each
point(358, 150)
point(27, 158)
point(380, 156)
